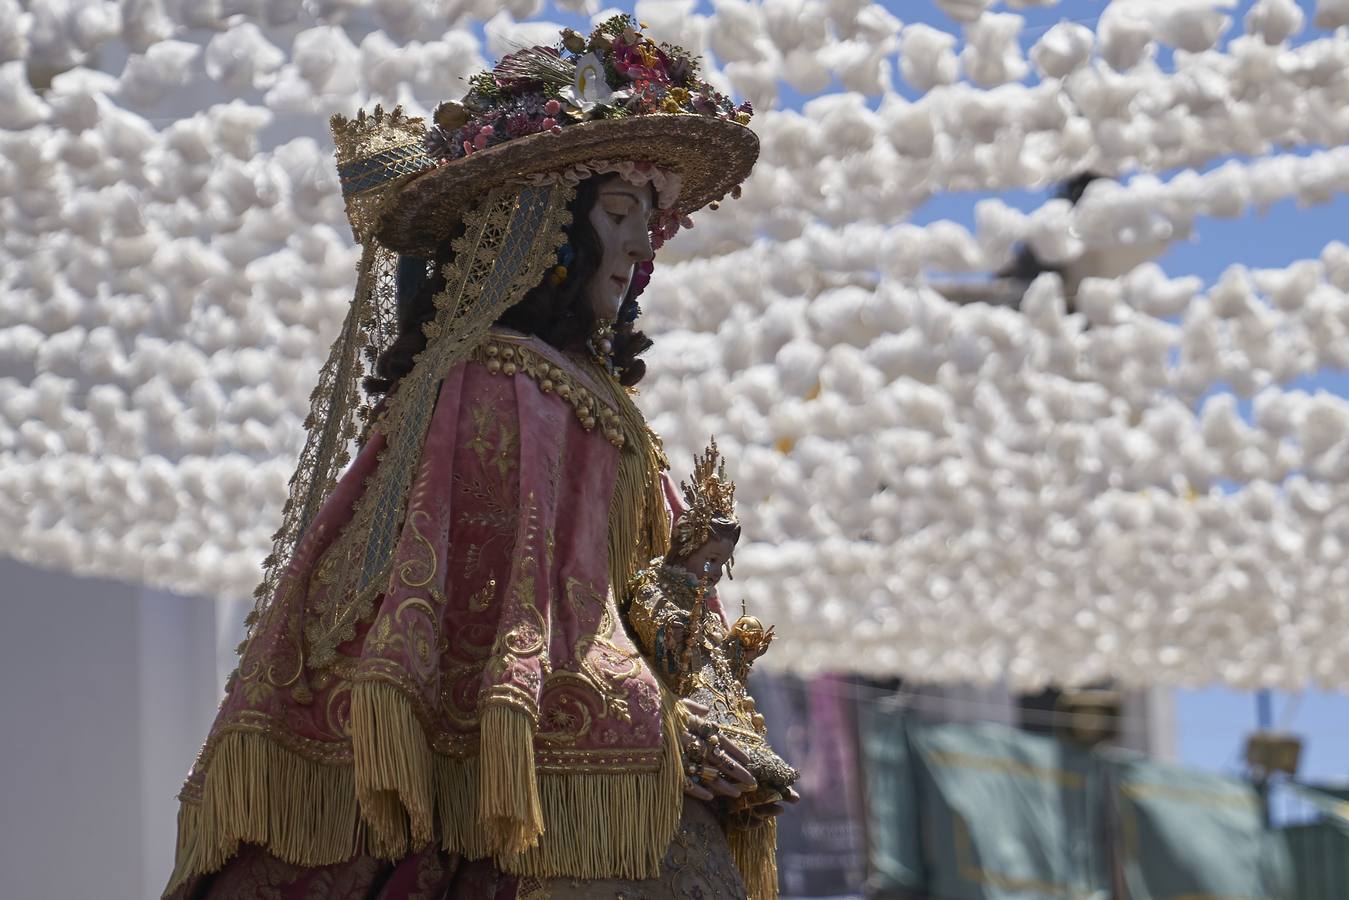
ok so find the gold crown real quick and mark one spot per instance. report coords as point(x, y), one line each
point(375, 152)
point(710, 498)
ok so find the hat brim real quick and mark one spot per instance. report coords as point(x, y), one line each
point(711, 156)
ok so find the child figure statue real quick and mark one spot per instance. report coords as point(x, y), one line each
point(677, 623)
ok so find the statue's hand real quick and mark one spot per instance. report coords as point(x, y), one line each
point(714, 765)
point(777, 807)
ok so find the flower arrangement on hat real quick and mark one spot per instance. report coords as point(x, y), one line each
point(614, 72)
point(613, 101)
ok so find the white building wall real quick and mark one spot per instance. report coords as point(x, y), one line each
point(106, 691)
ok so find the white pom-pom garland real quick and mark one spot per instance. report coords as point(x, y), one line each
point(1127, 477)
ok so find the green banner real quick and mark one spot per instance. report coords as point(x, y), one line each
point(1320, 850)
point(894, 850)
point(1332, 803)
point(1006, 815)
point(1191, 835)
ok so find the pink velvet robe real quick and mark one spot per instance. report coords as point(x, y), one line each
point(499, 595)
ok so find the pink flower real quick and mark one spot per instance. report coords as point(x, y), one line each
point(548, 123)
point(641, 61)
point(641, 276)
point(552, 108)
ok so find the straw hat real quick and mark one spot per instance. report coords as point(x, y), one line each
point(612, 96)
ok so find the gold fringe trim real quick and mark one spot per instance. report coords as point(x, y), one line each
point(608, 826)
point(392, 762)
point(540, 824)
point(258, 792)
point(509, 811)
point(755, 851)
point(639, 526)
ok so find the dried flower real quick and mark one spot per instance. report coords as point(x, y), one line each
point(573, 41)
point(679, 68)
point(530, 68)
point(450, 115)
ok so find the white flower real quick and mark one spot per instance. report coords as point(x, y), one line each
point(590, 87)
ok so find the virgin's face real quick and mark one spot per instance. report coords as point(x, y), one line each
point(621, 218)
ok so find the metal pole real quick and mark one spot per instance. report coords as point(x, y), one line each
point(1264, 718)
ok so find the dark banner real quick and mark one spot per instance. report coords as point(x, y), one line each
point(812, 723)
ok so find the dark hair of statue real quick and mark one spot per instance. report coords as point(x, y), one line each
point(558, 314)
point(717, 530)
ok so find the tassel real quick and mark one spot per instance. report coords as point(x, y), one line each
point(392, 764)
point(257, 791)
point(604, 825)
point(755, 851)
point(509, 811)
point(563, 823)
point(639, 527)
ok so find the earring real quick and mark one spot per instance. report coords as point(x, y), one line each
point(601, 344)
point(601, 340)
point(565, 256)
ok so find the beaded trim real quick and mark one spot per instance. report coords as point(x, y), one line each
point(502, 356)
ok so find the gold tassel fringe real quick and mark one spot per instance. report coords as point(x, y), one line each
point(258, 792)
point(549, 824)
point(508, 787)
point(393, 769)
point(639, 526)
point(608, 826)
point(755, 851)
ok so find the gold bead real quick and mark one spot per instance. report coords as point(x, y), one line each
point(508, 353)
point(588, 423)
point(492, 350)
point(494, 366)
point(564, 392)
point(510, 368)
point(546, 385)
point(555, 373)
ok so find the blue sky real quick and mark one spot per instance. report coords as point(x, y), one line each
point(1211, 723)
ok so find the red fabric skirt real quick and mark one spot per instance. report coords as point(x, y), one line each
point(255, 874)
